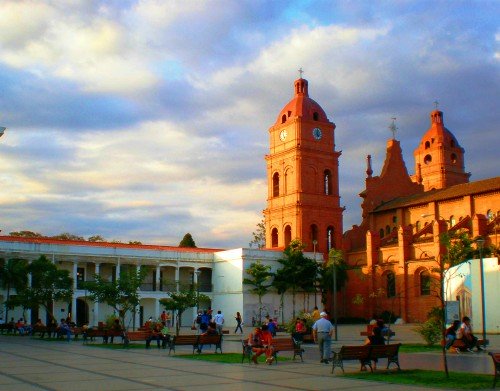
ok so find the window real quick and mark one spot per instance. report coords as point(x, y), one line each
point(391, 284)
point(381, 233)
point(315, 116)
point(490, 215)
point(314, 234)
point(276, 184)
point(427, 159)
point(417, 226)
point(288, 235)
point(283, 118)
point(80, 276)
point(394, 219)
point(425, 283)
point(330, 239)
point(453, 221)
point(427, 145)
point(387, 230)
point(274, 237)
point(328, 182)
point(453, 158)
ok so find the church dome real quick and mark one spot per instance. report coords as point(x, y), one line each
point(301, 106)
point(437, 133)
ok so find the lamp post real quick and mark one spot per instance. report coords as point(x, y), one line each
point(315, 242)
point(480, 243)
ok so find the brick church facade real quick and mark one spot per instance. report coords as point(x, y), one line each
point(392, 252)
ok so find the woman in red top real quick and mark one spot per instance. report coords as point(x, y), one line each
point(261, 342)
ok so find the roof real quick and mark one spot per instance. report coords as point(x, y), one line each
point(464, 189)
point(107, 244)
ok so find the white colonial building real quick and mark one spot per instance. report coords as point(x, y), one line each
point(216, 273)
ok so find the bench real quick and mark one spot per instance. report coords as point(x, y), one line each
point(496, 364)
point(369, 331)
point(460, 344)
point(179, 340)
point(90, 334)
point(8, 327)
point(141, 335)
point(209, 340)
point(286, 345)
point(365, 354)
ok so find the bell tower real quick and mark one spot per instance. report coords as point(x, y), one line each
point(302, 174)
point(439, 159)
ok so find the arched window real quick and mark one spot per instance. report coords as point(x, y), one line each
point(327, 178)
point(283, 118)
point(425, 283)
point(288, 235)
point(387, 230)
point(276, 184)
point(427, 145)
point(391, 284)
point(427, 159)
point(453, 221)
point(274, 237)
point(314, 234)
point(490, 215)
point(381, 233)
point(315, 116)
point(417, 226)
point(453, 158)
point(330, 238)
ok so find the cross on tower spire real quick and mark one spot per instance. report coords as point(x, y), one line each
point(436, 104)
point(300, 72)
point(393, 128)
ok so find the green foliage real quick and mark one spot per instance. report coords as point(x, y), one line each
point(96, 238)
point(13, 275)
point(68, 236)
point(305, 316)
point(48, 284)
point(432, 329)
point(122, 295)
point(335, 259)
point(187, 241)
point(181, 301)
point(260, 275)
point(26, 234)
point(259, 235)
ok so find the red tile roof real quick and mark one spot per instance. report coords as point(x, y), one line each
point(107, 244)
point(465, 189)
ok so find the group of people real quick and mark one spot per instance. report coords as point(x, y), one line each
point(463, 331)
point(207, 324)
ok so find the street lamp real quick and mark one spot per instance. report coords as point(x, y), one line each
point(480, 243)
point(315, 242)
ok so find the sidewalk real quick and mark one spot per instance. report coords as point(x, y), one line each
point(32, 364)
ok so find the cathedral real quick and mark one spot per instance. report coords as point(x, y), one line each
point(391, 254)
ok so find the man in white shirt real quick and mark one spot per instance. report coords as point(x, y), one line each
point(219, 321)
point(322, 334)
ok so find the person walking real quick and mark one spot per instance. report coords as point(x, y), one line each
point(238, 323)
point(219, 321)
point(322, 334)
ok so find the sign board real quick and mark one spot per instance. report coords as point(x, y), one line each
point(452, 311)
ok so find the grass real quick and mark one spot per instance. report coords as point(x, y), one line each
point(225, 358)
point(120, 346)
point(419, 348)
point(436, 379)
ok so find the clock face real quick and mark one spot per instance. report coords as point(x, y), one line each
point(283, 135)
point(317, 133)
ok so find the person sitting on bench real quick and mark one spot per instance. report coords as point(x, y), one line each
point(450, 335)
point(467, 337)
point(375, 339)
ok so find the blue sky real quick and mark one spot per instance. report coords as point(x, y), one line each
point(144, 120)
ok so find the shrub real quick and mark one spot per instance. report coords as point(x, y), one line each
point(430, 331)
point(290, 325)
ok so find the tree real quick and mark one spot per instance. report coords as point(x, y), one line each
point(48, 285)
point(259, 235)
point(335, 259)
point(26, 234)
point(122, 294)
point(13, 275)
point(68, 236)
point(180, 302)
point(260, 275)
point(96, 238)
point(458, 249)
point(295, 269)
point(187, 241)
point(134, 242)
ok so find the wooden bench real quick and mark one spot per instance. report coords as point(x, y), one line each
point(460, 344)
point(7, 327)
point(496, 364)
point(369, 331)
point(286, 345)
point(90, 334)
point(209, 340)
point(130, 336)
point(365, 354)
point(179, 340)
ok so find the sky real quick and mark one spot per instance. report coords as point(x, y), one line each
point(145, 120)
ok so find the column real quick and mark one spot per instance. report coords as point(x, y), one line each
point(157, 278)
point(177, 279)
point(157, 308)
point(117, 274)
point(75, 276)
point(96, 305)
point(195, 282)
point(30, 320)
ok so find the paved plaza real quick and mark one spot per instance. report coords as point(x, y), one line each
point(32, 364)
